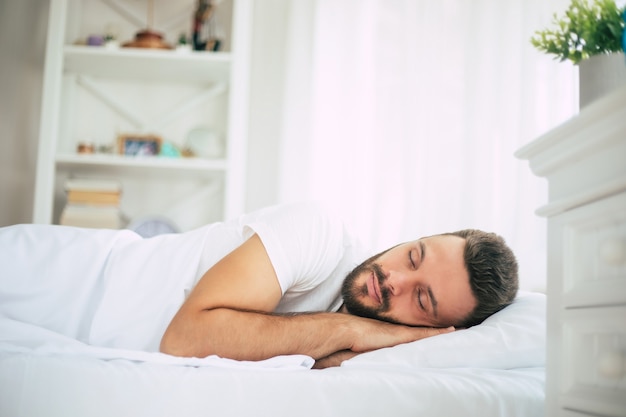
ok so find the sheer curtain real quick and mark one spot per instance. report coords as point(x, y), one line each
point(403, 116)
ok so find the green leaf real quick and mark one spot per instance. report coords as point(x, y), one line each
point(586, 28)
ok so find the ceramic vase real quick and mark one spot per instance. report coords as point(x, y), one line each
point(600, 75)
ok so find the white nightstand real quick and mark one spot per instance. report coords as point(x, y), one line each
point(584, 161)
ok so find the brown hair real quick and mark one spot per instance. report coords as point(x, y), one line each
point(493, 273)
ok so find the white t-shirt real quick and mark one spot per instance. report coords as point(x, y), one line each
point(147, 280)
point(311, 252)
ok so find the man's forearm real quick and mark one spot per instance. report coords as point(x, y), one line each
point(248, 335)
point(245, 335)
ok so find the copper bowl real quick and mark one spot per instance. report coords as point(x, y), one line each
point(147, 39)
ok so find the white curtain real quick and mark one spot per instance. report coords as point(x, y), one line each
point(404, 115)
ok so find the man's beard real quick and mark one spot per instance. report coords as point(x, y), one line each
point(351, 292)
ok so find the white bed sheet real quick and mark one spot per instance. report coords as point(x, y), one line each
point(34, 385)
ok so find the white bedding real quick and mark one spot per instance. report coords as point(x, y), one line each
point(65, 386)
point(54, 364)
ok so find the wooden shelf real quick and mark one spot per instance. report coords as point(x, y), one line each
point(151, 166)
point(147, 64)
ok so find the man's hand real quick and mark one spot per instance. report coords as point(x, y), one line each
point(334, 359)
point(413, 334)
point(376, 334)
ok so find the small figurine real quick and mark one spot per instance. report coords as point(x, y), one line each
point(204, 27)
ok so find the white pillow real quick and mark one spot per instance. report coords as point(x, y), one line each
point(514, 337)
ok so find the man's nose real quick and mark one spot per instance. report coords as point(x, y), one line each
point(397, 281)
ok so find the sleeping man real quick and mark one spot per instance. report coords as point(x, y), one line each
point(283, 280)
point(299, 257)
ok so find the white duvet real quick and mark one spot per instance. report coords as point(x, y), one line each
point(102, 287)
point(74, 351)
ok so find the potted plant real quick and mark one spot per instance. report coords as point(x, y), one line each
point(590, 34)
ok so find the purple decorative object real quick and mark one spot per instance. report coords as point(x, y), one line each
point(95, 40)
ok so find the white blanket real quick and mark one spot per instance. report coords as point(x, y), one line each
point(103, 287)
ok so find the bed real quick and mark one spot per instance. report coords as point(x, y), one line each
point(494, 369)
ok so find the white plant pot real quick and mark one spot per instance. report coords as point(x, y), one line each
point(600, 75)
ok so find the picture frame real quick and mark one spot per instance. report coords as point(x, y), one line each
point(139, 145)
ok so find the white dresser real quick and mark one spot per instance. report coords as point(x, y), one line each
point(584, 161)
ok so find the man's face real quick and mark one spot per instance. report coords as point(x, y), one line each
point(418, 283)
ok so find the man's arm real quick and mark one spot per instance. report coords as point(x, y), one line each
point(229, 314)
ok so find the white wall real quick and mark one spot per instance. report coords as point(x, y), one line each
point(23, 27)
point(266, 101)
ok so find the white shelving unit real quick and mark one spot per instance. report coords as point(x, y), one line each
point(93, 94)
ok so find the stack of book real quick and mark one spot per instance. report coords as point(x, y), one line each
point(92, 203)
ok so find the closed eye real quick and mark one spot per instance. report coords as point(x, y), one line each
point(419, 299)
point(411, 260)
